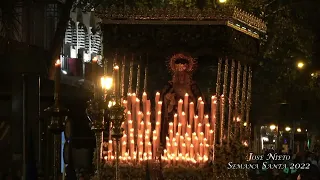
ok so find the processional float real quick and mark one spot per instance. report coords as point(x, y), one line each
point(174, 129)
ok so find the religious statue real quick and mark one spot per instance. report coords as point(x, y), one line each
point(181, 66)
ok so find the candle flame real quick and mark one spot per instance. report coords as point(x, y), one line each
point(144, 94)
point(116, 67)
point(95, 59)
point(186, 94)
point(157, 94)
point(238, 119)
point(58, 62)
point(180, 101)
point(200, 98)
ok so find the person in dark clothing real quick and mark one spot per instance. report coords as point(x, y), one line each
point(310, 174)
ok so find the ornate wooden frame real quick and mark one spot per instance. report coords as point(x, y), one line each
point(229, 16)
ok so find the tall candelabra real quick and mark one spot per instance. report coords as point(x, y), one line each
point(117, 117)
point(95, 114)
point(57, 115)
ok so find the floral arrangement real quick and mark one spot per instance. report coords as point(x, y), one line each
point(236, 152)
point(127, 171)
point(187, 172)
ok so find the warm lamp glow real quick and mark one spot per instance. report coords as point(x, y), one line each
point(245, 124)
point(272, 127)
point(106, 83)
point(116, 67)
point(287, 129)
point(299, 130)
point(222, 1)
point(95, 59)
point(58, 62)
point(300, 65)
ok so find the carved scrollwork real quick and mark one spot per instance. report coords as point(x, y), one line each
point(191, 14)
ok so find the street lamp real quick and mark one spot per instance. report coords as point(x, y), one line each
point(272, 127)
point(287, 129)
point(300, 65)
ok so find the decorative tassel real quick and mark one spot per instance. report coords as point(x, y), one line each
point(113, 74)
point(130, 75)
point(145, 76)
point(243, 100)
point(223, 99)
point(231, 100)
point(138, 81)
point(218, 87)
point(122, 75)
point(236, 108)
point(248, 104)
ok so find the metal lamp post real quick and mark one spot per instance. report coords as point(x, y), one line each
point(58, 115)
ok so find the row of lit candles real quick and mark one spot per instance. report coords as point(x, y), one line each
point(186, 141)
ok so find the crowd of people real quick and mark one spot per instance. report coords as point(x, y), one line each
point(307, 157)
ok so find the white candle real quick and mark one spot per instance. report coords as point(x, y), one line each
point(198, 103)
point(131, 148)
point(159, 106)
point(123, 148)
point(175, 123)
point(199, 130)
point(195, 121)
point(148, 106)
point(144, 96)
point(213, 109)
point(129, 99)
point(157, 98)
point(191, 113)
point(183, 123)
point(186, 104)
point(201, 112)
point(180, 103)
